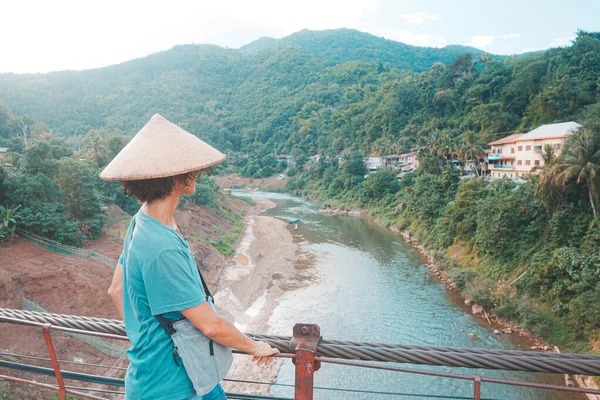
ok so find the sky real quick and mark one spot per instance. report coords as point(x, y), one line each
point(51, 35)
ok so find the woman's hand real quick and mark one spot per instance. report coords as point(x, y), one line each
point(263, 353)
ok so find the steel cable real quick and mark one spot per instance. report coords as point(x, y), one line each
point(438, 356)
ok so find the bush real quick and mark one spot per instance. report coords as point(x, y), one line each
point(462, 277)
point(584, 311)
point(224, 244)
point(379, 184)
point(51, 221)
point(480, 291)
point(8, 223)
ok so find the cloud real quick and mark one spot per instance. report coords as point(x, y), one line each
point(408, 37)
point(530, 49)
point(510, 36)
point(481, 41)
point(71, 34)
point(484, 41)
point(561, 41)
point(419, 18)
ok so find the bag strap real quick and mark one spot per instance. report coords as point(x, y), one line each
point(167, 324)
point(205, 287)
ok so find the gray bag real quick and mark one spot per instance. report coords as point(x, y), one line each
point(206, 362)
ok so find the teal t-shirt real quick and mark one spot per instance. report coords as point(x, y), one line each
point(160, 276)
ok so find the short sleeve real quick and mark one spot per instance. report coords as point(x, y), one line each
point(122, 258)
point(172, 283)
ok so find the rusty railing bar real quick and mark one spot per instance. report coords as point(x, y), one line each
point(476, 387)
point(59, 379)
point(457, 376)
point(304, 343)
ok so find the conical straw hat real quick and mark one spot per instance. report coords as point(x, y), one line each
point(159, 150)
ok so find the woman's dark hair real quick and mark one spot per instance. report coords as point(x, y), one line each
point(145, 190)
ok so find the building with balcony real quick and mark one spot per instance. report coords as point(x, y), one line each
point(400, 162)
point(517, 155)
point(373, 162)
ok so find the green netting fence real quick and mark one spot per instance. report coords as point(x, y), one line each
point(69, 250)
point(104, 346)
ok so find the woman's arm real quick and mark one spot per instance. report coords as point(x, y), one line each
point(115, 291)
point(224, 332)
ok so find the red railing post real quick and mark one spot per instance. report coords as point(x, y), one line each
point(59, 379)
point(304, 344)
point(477, 387)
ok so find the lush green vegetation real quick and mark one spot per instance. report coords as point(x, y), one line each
point(52, 188)
point(528, 250)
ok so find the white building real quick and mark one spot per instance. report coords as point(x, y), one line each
point(374, 162)
point(517, 155)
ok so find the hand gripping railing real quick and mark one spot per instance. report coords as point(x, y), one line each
point(308, 350)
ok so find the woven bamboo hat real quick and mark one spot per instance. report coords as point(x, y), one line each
point(159, 150)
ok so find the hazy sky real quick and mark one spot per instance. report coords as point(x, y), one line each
point(49, 35)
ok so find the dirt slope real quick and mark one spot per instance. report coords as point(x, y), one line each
point(70, 285)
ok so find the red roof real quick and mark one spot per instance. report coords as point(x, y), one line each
point(507, 140)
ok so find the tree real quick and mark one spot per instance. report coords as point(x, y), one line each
point(353, 164)
point(580, 162)
point(24, 127)
point(95, 147)
point(379, 184)
point(42, 157)
point(6, 123)
point(445, 146)
point(78, 181)
point(470, 149)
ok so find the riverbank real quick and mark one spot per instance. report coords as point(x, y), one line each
point(499, 326)
point(268, 262)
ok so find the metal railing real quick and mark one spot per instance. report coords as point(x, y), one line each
point(308, 351)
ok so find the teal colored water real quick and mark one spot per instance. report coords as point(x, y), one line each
point(372, 286)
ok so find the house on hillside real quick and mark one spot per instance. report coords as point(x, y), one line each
point(5, 158)
point(409, 161)
point(290, 159)
point(400, 162)
point(373, 162)
point(517, 155)
point(314, 159)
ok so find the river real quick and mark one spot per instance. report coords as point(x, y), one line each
point(372, 286)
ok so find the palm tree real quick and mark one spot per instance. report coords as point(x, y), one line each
point(95, 147)
point(470, 149)
point(581, 162)
point(548, 192)
point(392, 146)
point(445, 146)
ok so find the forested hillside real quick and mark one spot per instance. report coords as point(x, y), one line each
point(341, 45)
point(343, 94)
point(220, 93)
point(297, 99)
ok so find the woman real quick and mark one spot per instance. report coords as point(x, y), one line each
point(156, 278)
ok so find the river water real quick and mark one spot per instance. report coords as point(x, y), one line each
point(372, 286)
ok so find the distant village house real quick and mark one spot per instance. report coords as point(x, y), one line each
point(5, 159)
point(290, 159)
